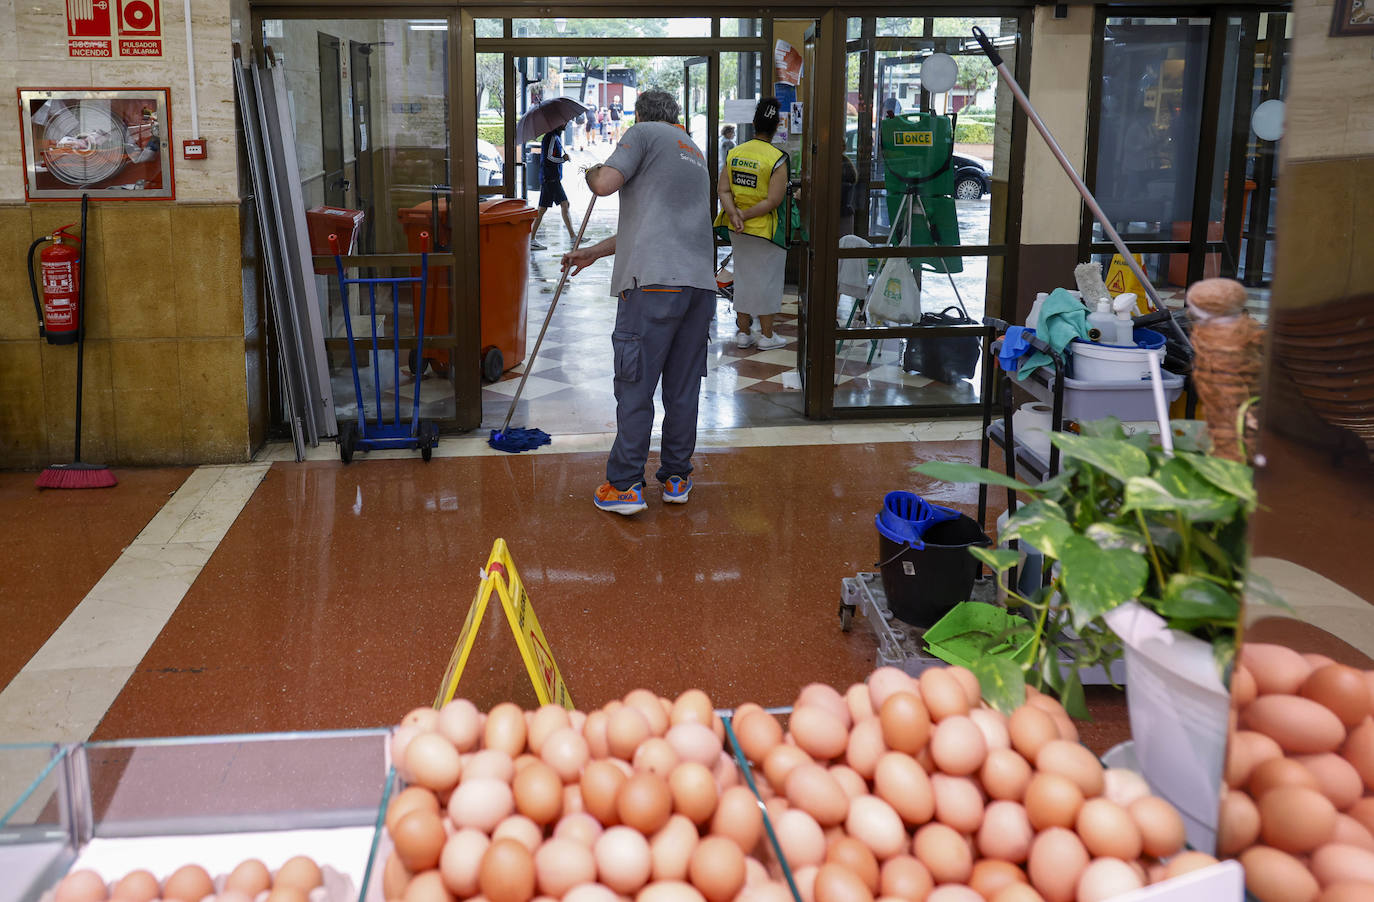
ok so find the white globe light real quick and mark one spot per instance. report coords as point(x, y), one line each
point(1267, 120)
point(939, 72)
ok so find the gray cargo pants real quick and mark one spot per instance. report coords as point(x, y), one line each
point(660, 331)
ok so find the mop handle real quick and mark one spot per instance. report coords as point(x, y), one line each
point(562, 280)
point(1024, 102)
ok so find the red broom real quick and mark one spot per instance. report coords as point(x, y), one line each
point(78, 475)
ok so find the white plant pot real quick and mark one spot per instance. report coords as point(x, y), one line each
point(1179, 712)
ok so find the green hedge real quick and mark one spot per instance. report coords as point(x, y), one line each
point(972, 133)
point(496, 134)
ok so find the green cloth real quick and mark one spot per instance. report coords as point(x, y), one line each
point(1062, 319)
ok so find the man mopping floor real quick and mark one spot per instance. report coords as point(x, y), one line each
point(665, 279)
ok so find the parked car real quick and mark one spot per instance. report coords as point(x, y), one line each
point(972, 178)
point(489, 167)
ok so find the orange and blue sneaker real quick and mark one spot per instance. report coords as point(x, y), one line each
point(629, 501)
point(676, 489)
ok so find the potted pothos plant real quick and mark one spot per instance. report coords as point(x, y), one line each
point(1146, 551)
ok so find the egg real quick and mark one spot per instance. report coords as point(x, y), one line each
point(594, 731)
point(489, 764)
point(1295, 819)
point(538, 793)
point(1276, 669)
point(424, 719)
point(566, 751)
point(506, 873)
point(954, 894)
point(1030, 729)
point(1359, 751)
point(251, 877)
point(188, 883)
point(884, 681)
point(1274, 876)
point(87, 886)
point(957, 745)
point(505, 730)
point(693, 790)
point(644, 802)
point(561, 864)
point(694, 742)
point(958, 802)
point(866, 745)
point(905, 723)
point(1107, 878)
point(461, 860)
point(395, 877)
point(412, 798)
point(877, 825)
point(942, 694)
point(717, 869)
point(1247, 751)
point(670, 849)
point(482, 804)
point(626, 728)
point(1186, 863)
point(904, 785)
point(1347, 892)
point(578, 826)
point(818, 732)
point(758, 733)
point(1299, 725)
point(600, 783)
point(521, 829)
point(944, 852)
point(1351, 832)
point(994, 727)
point(692, 706)
point(1243, 686)
point(546, 719)
point(850, 781)
point(623, 860)
point(592, 892)
point(904, 877)
point(460, 723)
point(1162, 832)
point(1052, 800)
point(295, 894)
point(780, 762)
point(649, 705)
point(1341, 690)
point(1005, 833)
point(1069, 759)
point(811, 788)
point(990, 877)
point(801, 838)
point(1123, 786)
point(670, 891)
point(1057, 859)
point(738, 817)
point(1005, 774)
point(1336, 778)
point(838, 884)
point(1276, 772)
point(857, 858)
point(859, 702)
point(419, 838)
point(827, 697)
point(1107, 830)
point(424, 887)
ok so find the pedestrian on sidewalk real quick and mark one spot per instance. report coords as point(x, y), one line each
point(551, 193)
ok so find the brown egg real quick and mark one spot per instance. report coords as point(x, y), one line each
point(481, 803)
point(1297, 724)
point(824, 696)
point(990, 877)
point(1107, 830)
point(561, 864)
point(1341, 690)
point(780, 762)
point(692, 706)
point(626, 728)
point(566, 751)
point(905, 723)
point(695, 742)
point(1052, 800)
point(1347, 892)
point(957, 745)
point(593, 892)
point(994, 727)
point(853, 855)
point(489, 764)
point(505, 730)
point(1274, 876)
point(1123, 786)
point(1107, 878)
point(594, 731)
point(538, 792)
point(580, 827)
point(850, 781)
point(811, 788)
point(1359, 751)
point(87, 886)
point(412, 798)
point(835, 883)
point(460, 723)
point(668, 891)
point(425, 887)
point(656, 756)
point(1030, 729)
point(521, 829)
point(424, 719)
point(944, 852)
point(1161, 826)
point(1247, 751)
point(1243, 686)
point(652, 708)
point(904, 877)
point(758, 733)
point(884, 681)
point(623, 860)
point(507, 872)
point(1335, 863)
point(1295, 819)
point(142, 886)
point(1006, 833)
point(866, 745)
point(460, 862)
point(600, 783)
point(295, 894)
point(395, 877)
point(670, 849)
point(738, 817)
point(860, 703)
point(953, 893)
point(943, 694)
point(717, 868)
point(958, 802)
point(546, 719)
point(1186, 863)
point(1005, 775)
point(644, 802)
point(877, 825)
point(904, 785)
point(801, 838)
point(1018, 892)
point(1276, 772)
point(419, 838)
point(1277, 670)
point(1351, 832)
point(1069, 759)
point(818, 732)
point(1336, 778)
point(694, 793)
point(1057, 859)
point(188, 883)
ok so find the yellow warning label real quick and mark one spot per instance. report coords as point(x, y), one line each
point(915, 139)
point(502, 580)
point(1121, 280)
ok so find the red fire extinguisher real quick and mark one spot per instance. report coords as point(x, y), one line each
point(59, 311)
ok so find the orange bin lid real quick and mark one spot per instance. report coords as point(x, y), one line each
point(505, 209)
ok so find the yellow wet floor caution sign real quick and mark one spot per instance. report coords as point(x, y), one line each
point(1121, 280)
point(500, 578)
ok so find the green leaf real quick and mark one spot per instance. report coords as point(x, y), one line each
point(1042, 524)
point(949, 471)
point(1231, 477)
point(1114, 535)
point(1258, 589)
point(1002, 682)
point(1192, 597)
point(999, 559)
point(1107, 427)
point(1147, 494)
point(1224, 655)
point(1191, 435)
point(1098, 579)
point(1117, 459)
point(1073, 698)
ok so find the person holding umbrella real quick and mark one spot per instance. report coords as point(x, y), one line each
point(551, 159)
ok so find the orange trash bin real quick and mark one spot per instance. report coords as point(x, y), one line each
point(504, 253)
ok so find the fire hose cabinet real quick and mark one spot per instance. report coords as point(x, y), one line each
point(321, 222)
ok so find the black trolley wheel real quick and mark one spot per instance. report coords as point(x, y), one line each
point(493, 364)
point(846, 617)
point(414, 360)
point(348, 442)
point(429, 437)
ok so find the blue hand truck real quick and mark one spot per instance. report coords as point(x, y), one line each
point(377, 435)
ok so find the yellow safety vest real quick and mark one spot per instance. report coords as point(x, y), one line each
point(750, 165)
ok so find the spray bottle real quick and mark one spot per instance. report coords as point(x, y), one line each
point(1123, 304)
point(1102, 324)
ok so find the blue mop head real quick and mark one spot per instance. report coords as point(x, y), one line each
point(513, 441)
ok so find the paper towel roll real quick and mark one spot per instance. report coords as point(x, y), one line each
point(1032, 423)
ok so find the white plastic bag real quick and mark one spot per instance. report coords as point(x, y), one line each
point(894, 296)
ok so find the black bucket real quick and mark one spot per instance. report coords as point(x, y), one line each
point(923, 584)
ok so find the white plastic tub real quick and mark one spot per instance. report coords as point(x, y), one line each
point(1109, 363)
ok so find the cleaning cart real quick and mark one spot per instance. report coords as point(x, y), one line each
point(398, 433)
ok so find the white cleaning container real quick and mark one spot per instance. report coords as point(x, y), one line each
point(1093, 362)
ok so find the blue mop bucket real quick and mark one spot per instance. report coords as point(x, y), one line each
point(923, 557)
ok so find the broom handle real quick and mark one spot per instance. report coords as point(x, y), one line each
point(81, 326)
point(562, 280)
point(1024, 102)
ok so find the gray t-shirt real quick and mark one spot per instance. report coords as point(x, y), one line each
point(664, 237)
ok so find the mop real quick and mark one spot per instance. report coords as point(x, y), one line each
point(513, 441)
point(1024, 102)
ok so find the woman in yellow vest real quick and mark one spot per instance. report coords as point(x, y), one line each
point(752, 185)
